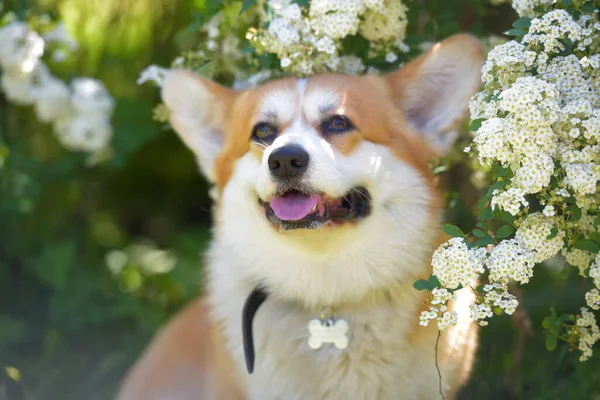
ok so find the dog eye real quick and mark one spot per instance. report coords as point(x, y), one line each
point(337, 124)
point(264, 132)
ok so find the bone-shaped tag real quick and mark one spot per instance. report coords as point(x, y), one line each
point(328, 331)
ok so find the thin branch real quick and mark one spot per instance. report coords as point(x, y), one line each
point(437, 366)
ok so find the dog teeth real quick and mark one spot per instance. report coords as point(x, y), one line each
point(315, 207)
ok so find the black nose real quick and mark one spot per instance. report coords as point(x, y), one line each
point(288, 161)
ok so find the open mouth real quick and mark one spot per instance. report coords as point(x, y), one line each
point(298, 210)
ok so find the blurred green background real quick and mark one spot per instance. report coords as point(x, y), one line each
point(70, 327)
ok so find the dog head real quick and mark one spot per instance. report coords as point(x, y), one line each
point(324, 187)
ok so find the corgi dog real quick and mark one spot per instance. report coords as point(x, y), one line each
point(326, 213)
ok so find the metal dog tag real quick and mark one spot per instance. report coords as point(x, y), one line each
point(328, 331)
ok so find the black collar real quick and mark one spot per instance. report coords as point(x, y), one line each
point(253, 302)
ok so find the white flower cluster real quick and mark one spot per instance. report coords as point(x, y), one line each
point(588, 332)
point(439, 310)
point(310, 42)
point(539, 114)
point(145, 254)
point(542, 111)
point(80, 113)
point(593, 296)
point(526, 8)
point(456, 265)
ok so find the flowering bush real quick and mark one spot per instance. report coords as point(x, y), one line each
point(80, 113)
point(536, 126)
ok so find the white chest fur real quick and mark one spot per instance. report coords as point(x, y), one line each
point(378, 363)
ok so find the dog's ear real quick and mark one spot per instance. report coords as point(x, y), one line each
point(434, 89)
point(198, 111)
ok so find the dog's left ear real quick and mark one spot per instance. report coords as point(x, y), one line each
point(434, 89)
point(199, 113)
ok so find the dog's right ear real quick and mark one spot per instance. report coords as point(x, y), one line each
point(198, 109)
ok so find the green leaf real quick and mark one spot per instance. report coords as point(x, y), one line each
point(505, 231)
point(476, 124)
point(207, 70)
point(498, 311)
point(508, 217)
point(504, 172)
point(439, 169)
point(597, 221)
point(483, 225)
point(131, 279)
point(13, 373)
point(568, 47)
point(434, 282)
point(553, 233)
point(421, 284)
point(551, 341)
point(479, 233)
point(246, 5)
point(453, 230)
point(583, 244)
point(302, 3)
point(588, 6)
point(266, 60)
point(547, 323)
point(485, 214)
point(595, 236)
point(479, 289)
point(497, 185)
point(517, 33)
point(484, 241)
point(522, 23)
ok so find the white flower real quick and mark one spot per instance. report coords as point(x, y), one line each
point(116, 260)
point(426, 316)
point(480, 312)
point(583, 177)
point(593, 299)
point(153, 73)
point(59, 34)
point(578, 258)
point(20, 48)
point(89, 133)
point(326, 44)
point(52, 100)
point(18, 88)
point(525, 8)
point(455, 264)
point(510, 200)
point(351, 65)
point(89, 96)
point(533, 235)
point(588, 333)
point(441, 296)
point(549, 211)
point(212, 45)
point(385, 23)
point(391, 57)
point(510, 261)
point(448, 319)
point(497, 295)
point(293, 12)
point(151, 259)
point(285, 62)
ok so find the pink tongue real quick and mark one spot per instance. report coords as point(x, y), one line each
point(293, 207)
